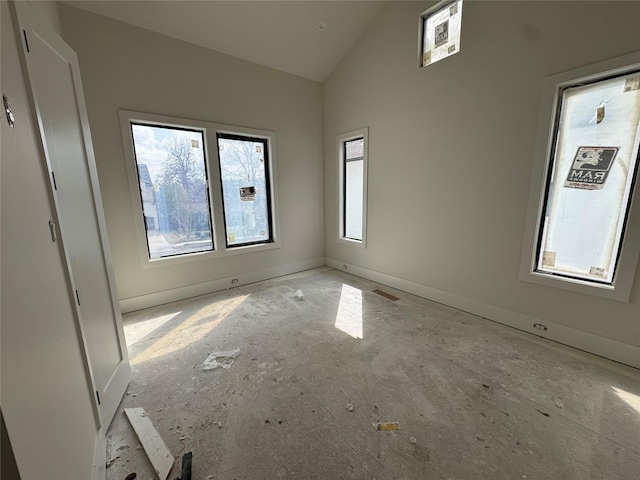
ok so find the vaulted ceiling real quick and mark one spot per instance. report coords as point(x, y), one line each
point(305, 38)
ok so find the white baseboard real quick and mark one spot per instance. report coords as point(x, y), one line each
point(100, 456)
point(175, 294)
point(602, 346)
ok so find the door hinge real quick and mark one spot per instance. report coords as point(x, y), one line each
point(53, 178)
point(78, 297)
point(11, 119)
point(26, 40)
point(52, 229)
point(98, 396)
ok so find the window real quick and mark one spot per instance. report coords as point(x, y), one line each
point(245, 187)
point(172, 179)
point(189, 195)
point(439, 32)
point(353, 188)
point(352, 154)
point(586, 233)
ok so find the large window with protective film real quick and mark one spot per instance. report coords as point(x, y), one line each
point(585, 233)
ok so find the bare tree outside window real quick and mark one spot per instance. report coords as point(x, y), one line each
point(173, 186)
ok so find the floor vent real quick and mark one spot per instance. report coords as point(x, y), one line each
point(386, 295)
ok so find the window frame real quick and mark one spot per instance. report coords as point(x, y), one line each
point(267, 163)
point(424, 16)
point(622, 284)
point(341, 155)
point(207, 182)
point(214, 186)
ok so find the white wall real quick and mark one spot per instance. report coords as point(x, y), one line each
point(126, 67)
point(46, 400)
point(451, 149)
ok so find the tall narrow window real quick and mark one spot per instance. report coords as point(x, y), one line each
point(172, 177)
point(353, 188)
point(587, 200)
point(244, 174)
point(353, 161)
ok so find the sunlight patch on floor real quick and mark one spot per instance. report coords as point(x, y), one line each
point(176, 339)
point(349, 316)
point(139, 330)
point(629, 398)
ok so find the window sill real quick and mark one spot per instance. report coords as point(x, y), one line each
point(351, 242)
point(206, 256)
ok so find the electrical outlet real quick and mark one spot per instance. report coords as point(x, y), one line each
point(235, 280)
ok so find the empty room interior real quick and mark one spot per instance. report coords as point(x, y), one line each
point(320, 239)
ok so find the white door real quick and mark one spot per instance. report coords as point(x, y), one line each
point(64, 129)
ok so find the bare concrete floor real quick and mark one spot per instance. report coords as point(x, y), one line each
point(474, 399)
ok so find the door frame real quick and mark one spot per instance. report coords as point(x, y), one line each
point(29, 21)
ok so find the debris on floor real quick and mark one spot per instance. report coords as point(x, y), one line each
point(386, 426)
point(157, 451)
point(349, 405)
point(185, 473)
point(559, 404)
point(543, 413)
point(220, 359)
point(131, 476)
point(299, 295)
point(396, 373)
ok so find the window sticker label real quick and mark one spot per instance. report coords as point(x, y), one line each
point(440, 30)
point(590, 168)
point(442, 34)
point(632, 84)
point(247, 194)
point(600, 113)
point(548, 258)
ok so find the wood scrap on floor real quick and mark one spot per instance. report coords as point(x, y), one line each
point(151, 441)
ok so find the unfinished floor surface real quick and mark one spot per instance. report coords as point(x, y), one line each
point(473, 399)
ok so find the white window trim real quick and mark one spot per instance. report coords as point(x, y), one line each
point(341, 140)
point(620, 290)
point(209, 131)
